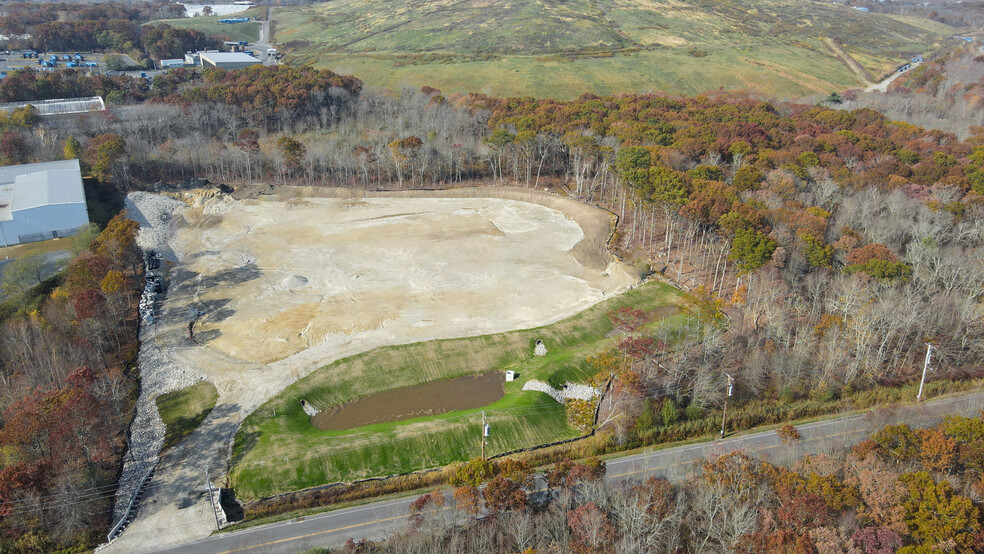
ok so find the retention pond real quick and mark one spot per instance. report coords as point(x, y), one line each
point(437, 397)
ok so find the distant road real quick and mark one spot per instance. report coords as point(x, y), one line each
point(261, 46)
point(381, 519)
point(883, 86)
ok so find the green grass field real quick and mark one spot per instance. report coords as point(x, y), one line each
point(277, 449)
point(552, 49)
point(184, 410)
point(249, 31)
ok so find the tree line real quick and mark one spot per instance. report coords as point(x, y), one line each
point(942, 93)
point(807, 226)
point(68, 385)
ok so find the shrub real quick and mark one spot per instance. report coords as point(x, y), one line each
point(787, 433)
point(473, 473)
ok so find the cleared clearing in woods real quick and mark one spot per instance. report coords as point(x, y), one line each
point(289, 283)
point(297, 278)
point(378, 287)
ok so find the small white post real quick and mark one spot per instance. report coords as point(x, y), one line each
point(485, 433)
point(922, 382)
point(724, 417)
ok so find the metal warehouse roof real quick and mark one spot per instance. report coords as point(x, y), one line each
point(228, 57)
point(23, 187)
point(60, 105)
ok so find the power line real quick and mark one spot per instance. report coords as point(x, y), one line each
point(103, 488)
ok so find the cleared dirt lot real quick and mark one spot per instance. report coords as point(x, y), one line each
point(288, 284)
point(279, 278)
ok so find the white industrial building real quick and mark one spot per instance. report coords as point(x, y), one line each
point(227, 60)
point(41, 201)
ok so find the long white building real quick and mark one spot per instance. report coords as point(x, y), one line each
point(41, 201)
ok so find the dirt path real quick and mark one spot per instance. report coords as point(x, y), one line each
point(883, 86)
point(848, 61)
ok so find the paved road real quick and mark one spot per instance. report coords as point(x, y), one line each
point(378, 520)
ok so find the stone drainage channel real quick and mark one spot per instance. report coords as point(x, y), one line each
point(158, 374)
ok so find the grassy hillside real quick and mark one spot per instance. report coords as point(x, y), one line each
point(562, 49)
point(277, 448)
point(249, 31)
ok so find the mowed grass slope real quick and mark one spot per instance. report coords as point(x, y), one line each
point(277, 448)
point(563, 49)
point(249, 31)
point(182, 411)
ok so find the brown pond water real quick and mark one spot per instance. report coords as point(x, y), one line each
point(437, 397)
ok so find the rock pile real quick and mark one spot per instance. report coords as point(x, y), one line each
point(158, 374)
point(153, 212)
point(569, 392)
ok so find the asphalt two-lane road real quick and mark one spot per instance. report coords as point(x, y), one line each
point(381, 519)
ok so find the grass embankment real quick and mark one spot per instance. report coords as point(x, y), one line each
point(277, 449)
point(249, 31)
point(561, 50)
point(691, 432)
point(184, 410)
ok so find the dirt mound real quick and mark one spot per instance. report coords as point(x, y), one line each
point(294, 282)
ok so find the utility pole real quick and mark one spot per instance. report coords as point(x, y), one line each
point(724, 418)
point(211, 498)
point(922, 382)
point(485, 433)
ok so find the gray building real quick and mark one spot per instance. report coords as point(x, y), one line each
point(227, 60)
point(41, 201)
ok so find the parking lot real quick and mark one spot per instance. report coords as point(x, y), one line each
point(14, 59)
point(11, 60)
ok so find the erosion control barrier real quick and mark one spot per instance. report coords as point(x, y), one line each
point(542, 446)
point(131, 508)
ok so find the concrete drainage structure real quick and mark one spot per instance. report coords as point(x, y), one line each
point(310, 410)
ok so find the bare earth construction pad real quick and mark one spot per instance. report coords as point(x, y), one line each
point(279, 278)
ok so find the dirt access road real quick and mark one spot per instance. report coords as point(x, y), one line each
point(848, 61)
point(883, 85)
point(289, 284)
point(379, 520)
